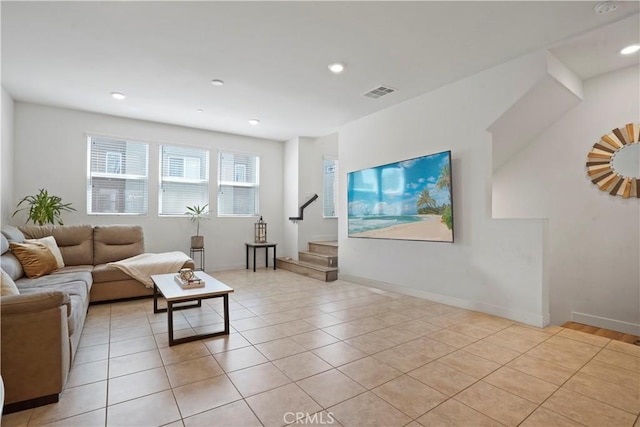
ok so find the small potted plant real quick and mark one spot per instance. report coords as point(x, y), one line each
point(44, 208)
point(197, 213)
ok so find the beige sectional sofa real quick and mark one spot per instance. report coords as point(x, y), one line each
point(41, 327)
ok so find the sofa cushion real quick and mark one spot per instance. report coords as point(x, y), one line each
point(116, 242)
point(58, 282)
point(75, 241)
point(74, 269)
point(12, 233)
point(8, 286)
point(50, 242)
point(11, 265)
point(4, 244)
point(36, 259)
point(102, 273)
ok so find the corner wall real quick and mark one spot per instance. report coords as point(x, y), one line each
point(290, 186)
point(303, 177)
point(51, 151)
point(496, 266)
point(6, 158)
point(594, 244)
point(315, 227)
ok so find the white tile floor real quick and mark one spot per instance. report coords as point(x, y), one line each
point(343, 354)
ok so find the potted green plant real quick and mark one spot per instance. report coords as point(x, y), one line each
point(197, 213)
point(44, 208)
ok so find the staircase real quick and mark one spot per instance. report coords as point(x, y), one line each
point(319, 262)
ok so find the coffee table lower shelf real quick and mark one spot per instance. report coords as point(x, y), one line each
point(173, 296)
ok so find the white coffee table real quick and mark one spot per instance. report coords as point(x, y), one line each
point(173, 293)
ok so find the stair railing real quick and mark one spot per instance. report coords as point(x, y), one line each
point(300, 216)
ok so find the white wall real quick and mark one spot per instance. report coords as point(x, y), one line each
point(6, 158)
point(496, 266)
point(594, 244)
point(51, 152)
point(290, 186)
point(302, 179)
point(314, 227)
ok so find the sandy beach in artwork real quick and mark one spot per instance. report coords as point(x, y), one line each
point(430, 229)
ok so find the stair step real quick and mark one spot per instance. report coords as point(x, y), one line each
point(326, 274)
point(326, 248)
point(318, 259)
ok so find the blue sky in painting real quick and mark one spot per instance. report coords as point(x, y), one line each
point(393, 189)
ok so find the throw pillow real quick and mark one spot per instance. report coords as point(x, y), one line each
point(8, 286)
point(12, 233)
point(4, 244)
point(51, 243)
point(10, 264)
point(36, 259)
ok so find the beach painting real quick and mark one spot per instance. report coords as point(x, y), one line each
point(407, 200)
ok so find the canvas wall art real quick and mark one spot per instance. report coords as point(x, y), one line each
point(406, 200)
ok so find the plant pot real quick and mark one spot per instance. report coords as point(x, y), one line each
point(197, 242)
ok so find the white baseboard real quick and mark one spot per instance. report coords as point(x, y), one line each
point(532, 319)
point(605, 323)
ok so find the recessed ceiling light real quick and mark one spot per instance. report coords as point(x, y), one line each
point(217, 82)
point(119, 96)
point(633, 48)
point(336, 68)
point(200, 110)
point(254, 122)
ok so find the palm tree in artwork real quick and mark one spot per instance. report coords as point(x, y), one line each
point(444, 180)
point(425, 199)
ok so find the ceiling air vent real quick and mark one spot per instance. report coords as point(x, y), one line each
point(379, 91)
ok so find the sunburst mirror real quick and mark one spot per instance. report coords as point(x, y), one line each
point(613, 164)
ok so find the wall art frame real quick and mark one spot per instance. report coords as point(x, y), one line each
point(406, 200)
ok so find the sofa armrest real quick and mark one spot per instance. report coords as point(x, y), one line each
point(189, 264)
point(35, 352)
point(34, 302)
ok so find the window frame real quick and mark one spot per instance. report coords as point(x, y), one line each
point(239, 184)
point(89, 193)
point(182, 179)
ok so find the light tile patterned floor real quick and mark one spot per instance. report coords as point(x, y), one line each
point(343, 354)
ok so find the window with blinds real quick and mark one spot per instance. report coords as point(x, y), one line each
point(238, 184)
point(330, 188)
point(184, 179)
point(117, 176)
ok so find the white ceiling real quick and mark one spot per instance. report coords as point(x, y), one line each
point(598, 51)
point(273, 56)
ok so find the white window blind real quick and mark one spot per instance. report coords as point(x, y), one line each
point(117, 176)
point(184, 179)
point(330, 188)
point(238, 184)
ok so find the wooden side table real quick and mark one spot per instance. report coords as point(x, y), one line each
point(266, 247)
point(200, 252)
